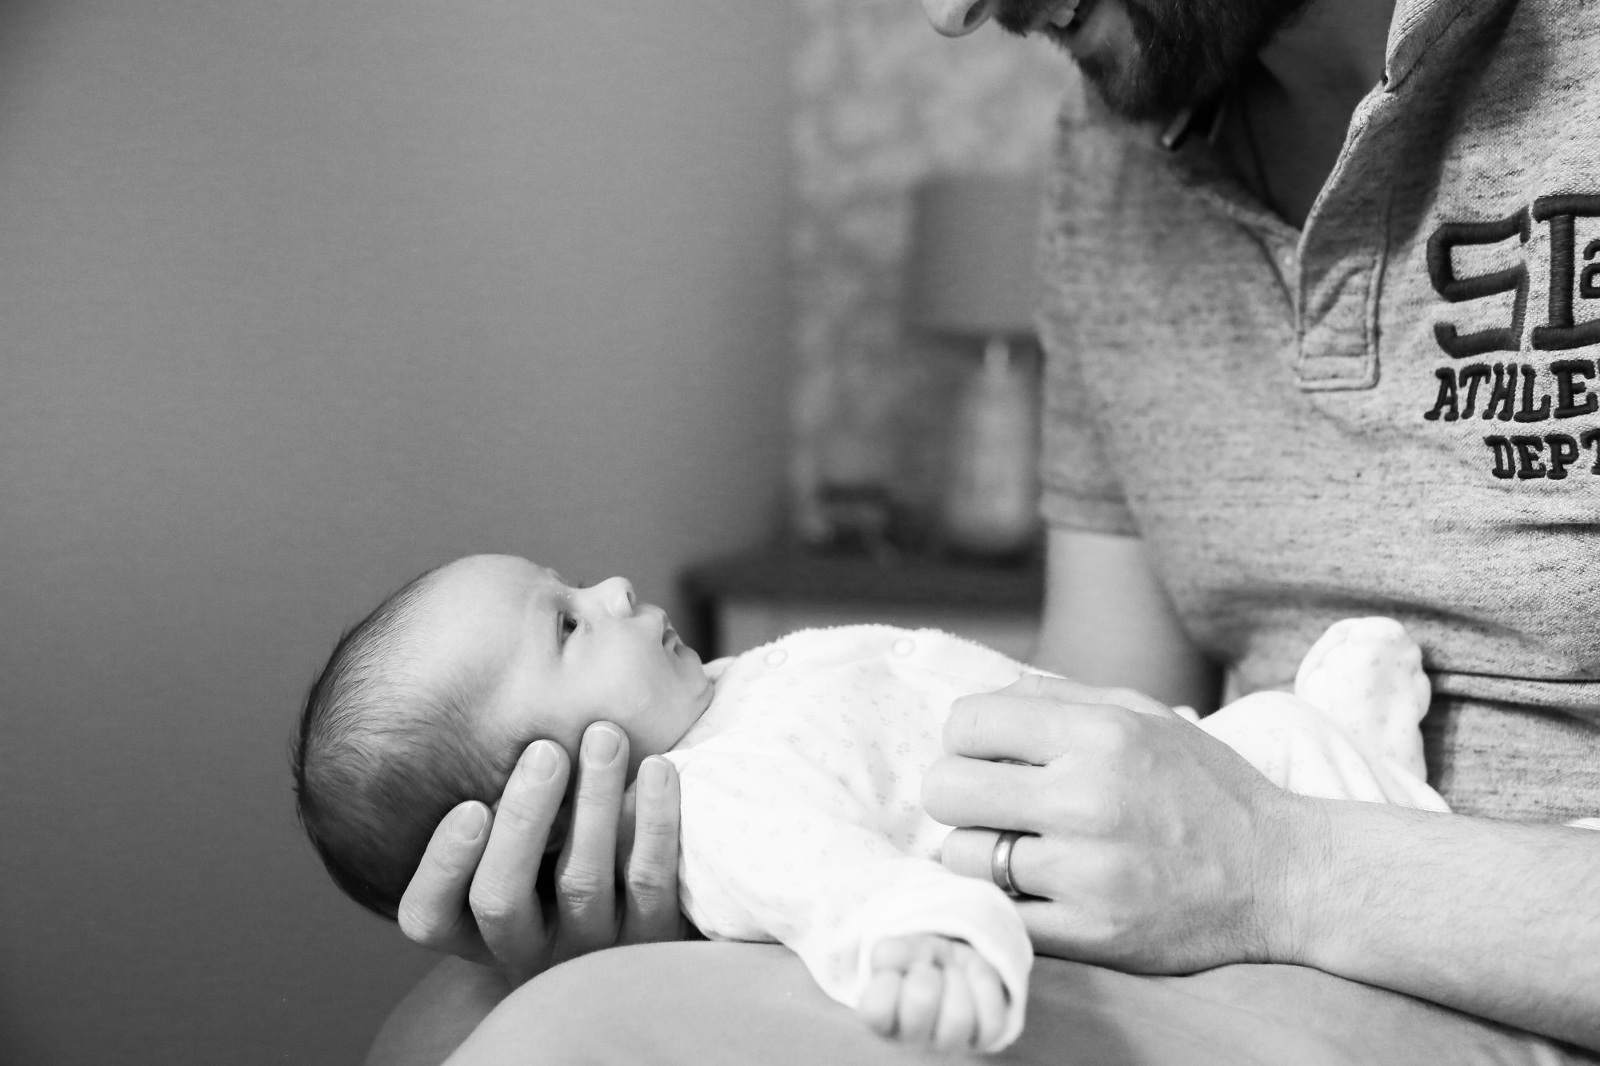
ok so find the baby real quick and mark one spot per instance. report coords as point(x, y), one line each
point(800, 763)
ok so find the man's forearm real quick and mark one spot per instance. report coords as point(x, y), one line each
point(1496, 919)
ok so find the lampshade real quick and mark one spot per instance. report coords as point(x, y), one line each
point(972, 268)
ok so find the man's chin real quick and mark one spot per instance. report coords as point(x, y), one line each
point(1120, 93)
point(1149, 58)
point(1108, 52)
point(1114, 55)
point(1131, 92)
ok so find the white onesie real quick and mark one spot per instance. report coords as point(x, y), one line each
point(801, 785)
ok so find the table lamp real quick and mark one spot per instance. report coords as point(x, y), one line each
point(971, 278)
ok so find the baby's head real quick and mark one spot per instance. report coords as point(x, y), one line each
point(430, 700)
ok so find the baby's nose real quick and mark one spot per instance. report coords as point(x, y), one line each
point(957, 18)
point(619, 597)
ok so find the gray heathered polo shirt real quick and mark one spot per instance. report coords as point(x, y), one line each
point(1392, 412)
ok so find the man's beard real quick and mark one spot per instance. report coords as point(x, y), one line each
point(1187, 51)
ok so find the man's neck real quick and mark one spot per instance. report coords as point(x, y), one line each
point(1316, 72)
point(1333, 51)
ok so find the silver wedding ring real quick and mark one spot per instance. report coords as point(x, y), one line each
point(1000, 862)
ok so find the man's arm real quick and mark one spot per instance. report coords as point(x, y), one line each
point(1158, 849)
point(1108, 622)
point(1496, 919)
point(1155, 848)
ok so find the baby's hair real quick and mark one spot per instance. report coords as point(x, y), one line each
point(383, 754)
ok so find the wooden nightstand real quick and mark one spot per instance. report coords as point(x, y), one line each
point(743, 601)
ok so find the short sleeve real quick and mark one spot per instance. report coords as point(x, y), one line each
point(1080, 491)
point(1080, 487)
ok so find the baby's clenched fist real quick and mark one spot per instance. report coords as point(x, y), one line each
point(930, 989)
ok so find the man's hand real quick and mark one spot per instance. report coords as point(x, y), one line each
point(474, 894)
point(1156, 848)
point(932, 990)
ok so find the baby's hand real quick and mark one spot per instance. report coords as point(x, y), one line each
point(930, 989)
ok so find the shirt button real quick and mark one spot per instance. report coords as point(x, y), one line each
point(903, 647)
point(775, 657)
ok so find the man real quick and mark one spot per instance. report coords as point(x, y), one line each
point(1318, 348)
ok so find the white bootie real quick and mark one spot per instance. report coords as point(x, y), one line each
point(1367, 673)
point(1350, 728)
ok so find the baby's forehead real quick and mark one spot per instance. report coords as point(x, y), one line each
point(487, 583)
point(497, 569)
point(468, 617)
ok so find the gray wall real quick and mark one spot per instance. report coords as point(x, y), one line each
point(298, 297)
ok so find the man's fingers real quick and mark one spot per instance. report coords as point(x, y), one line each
point(504, 898)
point(1093, 746)
point(433, 911)
point(970, 852)
point(1033, 719)
point(1013, 724)
point(1065, 690)
point(586, 878)
point(650, 889)
point(962, 791)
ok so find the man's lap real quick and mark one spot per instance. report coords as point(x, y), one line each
point(701, 1004)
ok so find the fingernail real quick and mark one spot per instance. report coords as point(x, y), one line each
point(543, 763)
point(600, 746)
point(469, 824)
point(653, 776)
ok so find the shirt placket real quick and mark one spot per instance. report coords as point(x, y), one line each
point(1343, 249)
point(1341, 255)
